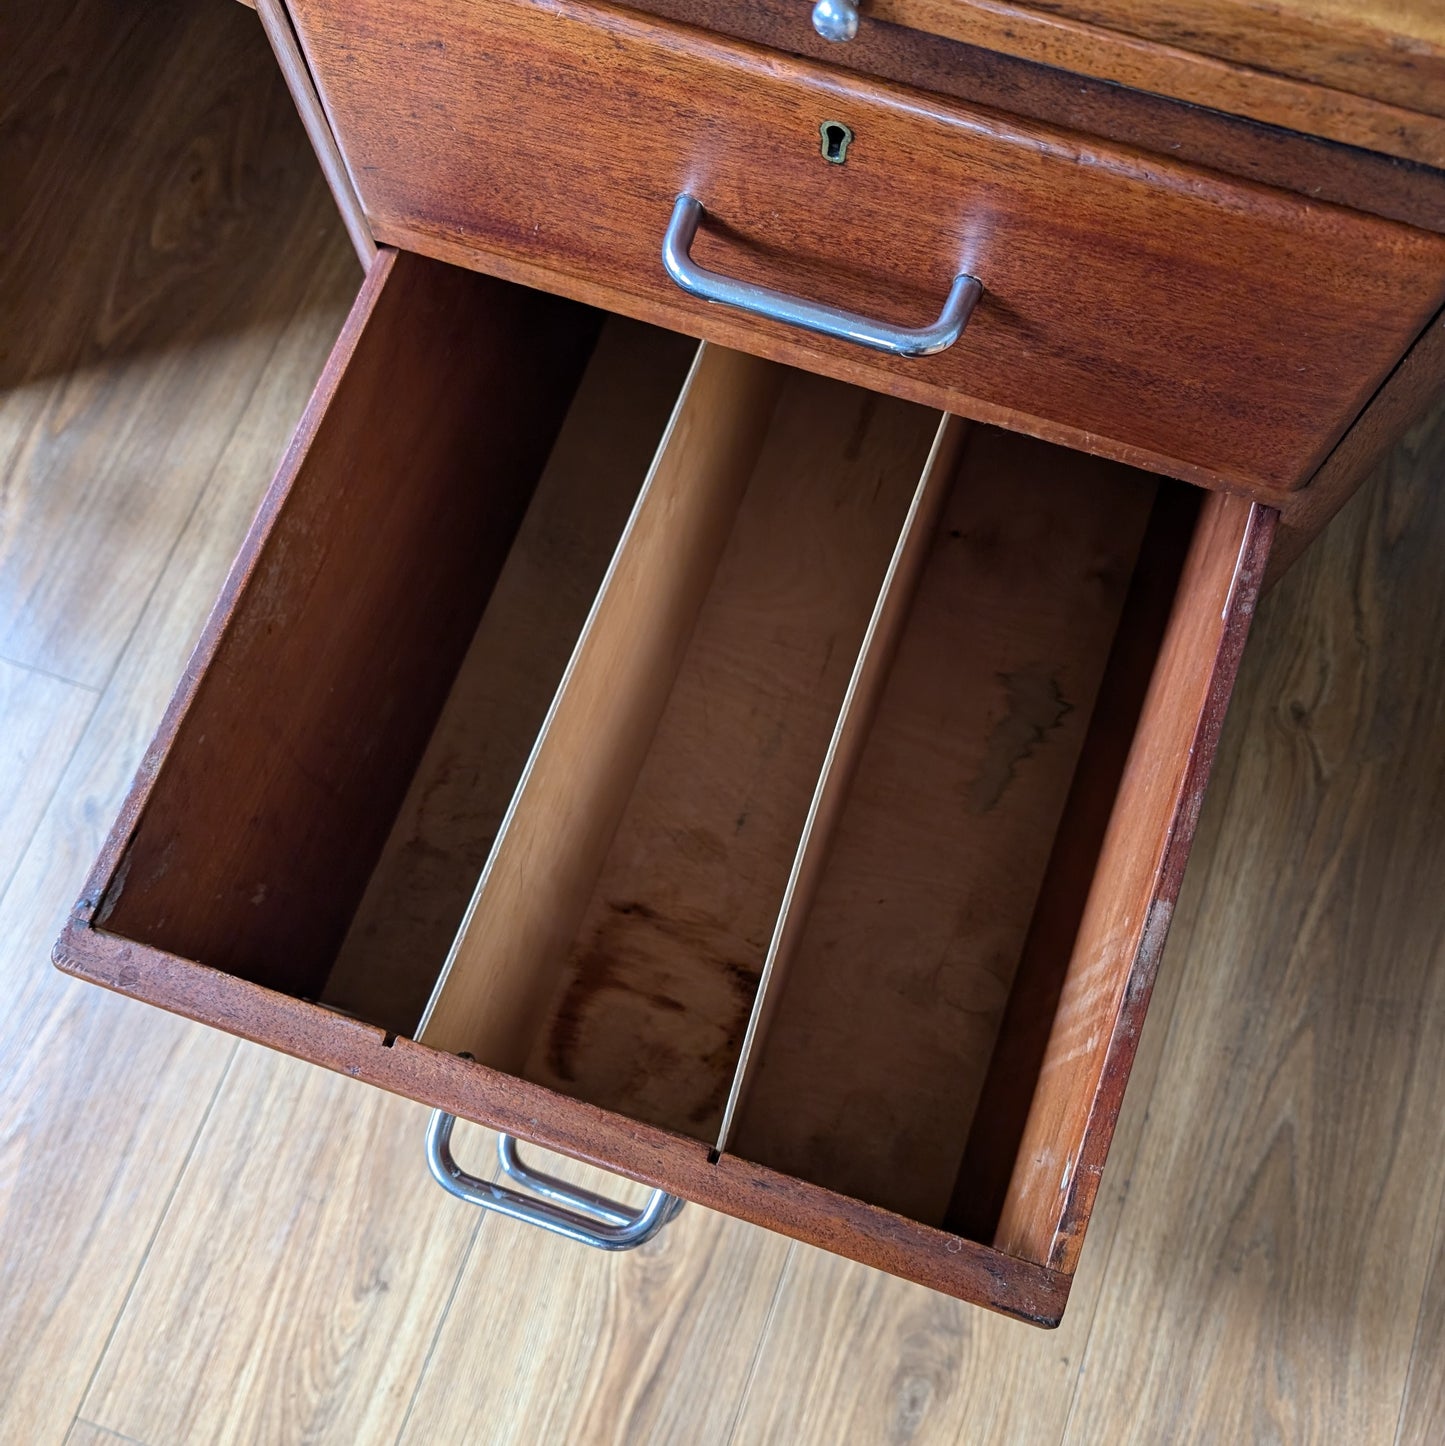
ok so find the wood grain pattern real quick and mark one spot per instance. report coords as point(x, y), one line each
point(151, 166)
point(862, 1357)
point(306, 1249)
point(651, 1010)
point(282, 39)
point(376, 548)
point(84, 1433)
point(851, 728)
point(116, 378)
point(851, 1355)
point(1303, 1060)
point(1132, 306)
point(1390, 49)
point(546, 1345)
point(1407, 393)
point(1050, 35)
point(868, 1079)
point(1033, 1002)
point(1307, 165)
point(910, 1247)
point(44, 718)
point(583, 1132)
point(419, 891)
point(1422, 1414)
point(1125, 922)
point(71, 1241)
point(495, 987)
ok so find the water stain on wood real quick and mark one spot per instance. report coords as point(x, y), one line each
point(1036, 706)
point(652, 1017)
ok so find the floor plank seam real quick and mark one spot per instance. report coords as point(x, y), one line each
point(762, 1340)
point(160, 1225)
point(446, 1310)
point(50, 673)
point(43, 813)
point(114, 1435)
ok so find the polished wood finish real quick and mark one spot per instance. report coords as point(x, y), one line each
point(1290, 160)
point(277, 25)
point(783, 516)
point(1132, 306)
point(377, 546)
point(597, 1137)
point(1391, 50)
point(1141, 862)
point(1303, 975)
point(1051, 35)
point(1414, 386)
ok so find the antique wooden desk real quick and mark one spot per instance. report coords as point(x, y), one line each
point(766, 767)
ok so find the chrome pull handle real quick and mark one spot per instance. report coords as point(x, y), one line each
point(831, 321)
point(555, 1206)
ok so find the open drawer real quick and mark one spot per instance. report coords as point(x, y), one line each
point(771, 791)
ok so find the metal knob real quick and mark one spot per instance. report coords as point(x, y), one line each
point(835, 19)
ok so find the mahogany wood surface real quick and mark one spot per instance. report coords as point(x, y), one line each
point(277, 25)
point(1126, 918)
point(598, 1137)
point(1390, 49)
point(1405, 395)
point(1306, 164)
point(313, 691)
point(217, 813)
point(1047, 33)
point(1133, 307)
point(203, 1278)
point(179, 811)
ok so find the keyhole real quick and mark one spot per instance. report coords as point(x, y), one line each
point(836, 140)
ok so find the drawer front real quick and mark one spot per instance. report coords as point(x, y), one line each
point(662, 729)
point(1212, 330)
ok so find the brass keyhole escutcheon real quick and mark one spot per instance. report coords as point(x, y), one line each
point(836, 139)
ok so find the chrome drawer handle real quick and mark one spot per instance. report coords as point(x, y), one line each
point(563, 1209)
point(832, 321)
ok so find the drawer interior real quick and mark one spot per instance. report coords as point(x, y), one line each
point(716, 743)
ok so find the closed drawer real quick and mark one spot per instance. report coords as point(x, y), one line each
point(1211, 330)
point(778, 790)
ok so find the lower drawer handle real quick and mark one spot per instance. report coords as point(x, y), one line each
point(831, 321)
point(562, 1209)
